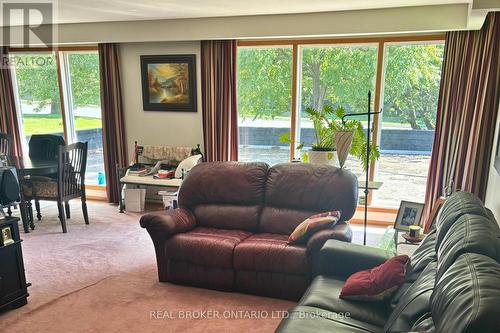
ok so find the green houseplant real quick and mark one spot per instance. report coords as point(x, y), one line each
point(328, 126)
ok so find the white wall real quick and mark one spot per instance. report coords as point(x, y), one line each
point(153, 127)
point(493, 192)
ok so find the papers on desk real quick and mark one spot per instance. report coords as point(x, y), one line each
point(150, 180)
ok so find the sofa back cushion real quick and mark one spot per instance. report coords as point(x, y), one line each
point(423, 255)
point(295, 191)
point(458, 204)
point(469, 234)
point(412, 303)
point(226, 195)
point(465, 298)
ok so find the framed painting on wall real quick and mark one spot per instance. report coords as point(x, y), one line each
point(169, 83)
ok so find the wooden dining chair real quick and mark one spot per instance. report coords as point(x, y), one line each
point(6, 158)
point(70, 183)
point(6, 148)
point(44, 147)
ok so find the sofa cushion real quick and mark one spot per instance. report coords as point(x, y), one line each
point(324, 293)
point(313, 224)
point(295, 191)
point(466, 296)
point(377, 283)
point(469, 234)
point(458, 204)
point(413, 303)
point(270, 253)
point(205, 246)
point(310, 319)
point(225, 194)
point(423, 255)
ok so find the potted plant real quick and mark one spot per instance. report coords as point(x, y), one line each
point(335, 136)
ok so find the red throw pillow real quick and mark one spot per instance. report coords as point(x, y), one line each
point(313, 224)
point(378, 283)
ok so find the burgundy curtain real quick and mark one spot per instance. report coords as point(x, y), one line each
point(467, 111)
point(218, 80)
point(113, 126)
point(8, 118)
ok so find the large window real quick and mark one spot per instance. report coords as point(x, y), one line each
point(264, 103)
point(58, 93)
point(276, 84)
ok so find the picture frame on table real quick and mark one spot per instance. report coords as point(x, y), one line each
point(6, 236)
point(409, 214)
point(169, 82)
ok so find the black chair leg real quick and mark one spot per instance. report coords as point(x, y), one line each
point(38, 211)
point(30, 215)
point(84, 209)
point(66, 208)
point(62, 216)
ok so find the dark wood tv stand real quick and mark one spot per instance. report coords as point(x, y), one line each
point(13, 286)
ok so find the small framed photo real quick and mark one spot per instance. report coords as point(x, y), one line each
point(6, 236)
point(409, 214)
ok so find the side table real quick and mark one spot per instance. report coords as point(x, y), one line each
point(13, 286)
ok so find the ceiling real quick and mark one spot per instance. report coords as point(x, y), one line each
point(78, 11)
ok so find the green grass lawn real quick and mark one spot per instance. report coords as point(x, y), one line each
point(45, 124)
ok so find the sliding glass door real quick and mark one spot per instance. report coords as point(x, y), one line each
point(39, 101)
point(410, 95)
point(264, 103)
point(59, 93)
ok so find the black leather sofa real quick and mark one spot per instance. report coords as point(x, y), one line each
point(452, 281)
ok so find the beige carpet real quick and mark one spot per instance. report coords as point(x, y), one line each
point(102, 278)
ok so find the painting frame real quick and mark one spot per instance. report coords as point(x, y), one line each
point(152, 61)
point(406, 208)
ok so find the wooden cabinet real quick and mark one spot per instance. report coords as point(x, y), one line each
point(13, 286)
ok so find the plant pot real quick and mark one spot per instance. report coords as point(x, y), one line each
point(325, 157)
point(343, 142)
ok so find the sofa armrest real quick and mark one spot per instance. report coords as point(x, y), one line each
point(340, 231)
point(168, 222)
point(343, 259)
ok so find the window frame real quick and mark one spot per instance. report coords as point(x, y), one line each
point(378, 96)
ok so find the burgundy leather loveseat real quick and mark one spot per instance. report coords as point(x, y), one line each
point(231, 230)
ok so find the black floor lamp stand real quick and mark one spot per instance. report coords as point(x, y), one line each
point(369, 114)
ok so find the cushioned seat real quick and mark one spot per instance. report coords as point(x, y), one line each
point(309, 319)
point(324, 293)
point(40, 189)
point(270, 253)
point(205, 246)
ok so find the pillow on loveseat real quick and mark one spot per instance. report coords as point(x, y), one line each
point(313, 224)
point(378, 283)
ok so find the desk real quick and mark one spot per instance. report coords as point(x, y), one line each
point(129, 179)
point(31, 167)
